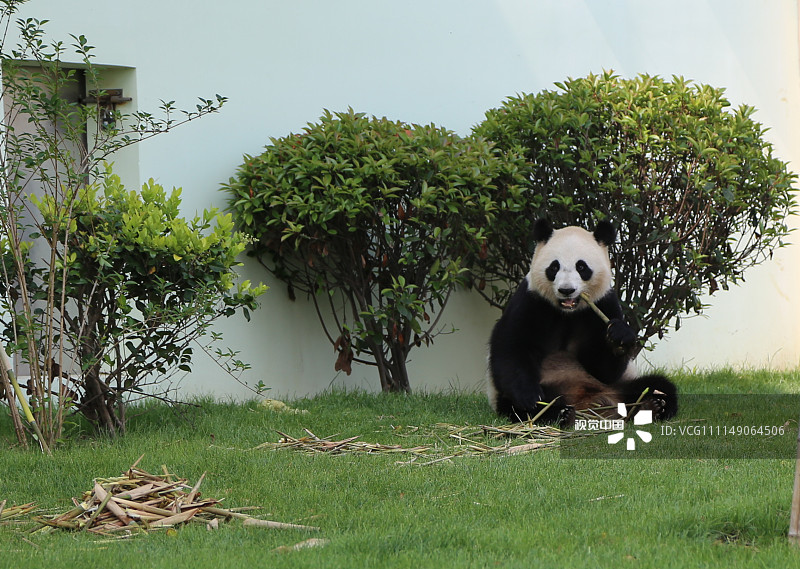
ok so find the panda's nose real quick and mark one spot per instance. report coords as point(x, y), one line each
point(566, 291)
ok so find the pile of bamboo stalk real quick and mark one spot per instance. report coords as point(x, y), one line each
point(141, 501)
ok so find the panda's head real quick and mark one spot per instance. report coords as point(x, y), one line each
point(569, 261)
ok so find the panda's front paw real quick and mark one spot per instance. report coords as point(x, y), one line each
point(566, 417)
point(620, 335)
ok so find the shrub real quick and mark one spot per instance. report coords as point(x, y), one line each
point(371, 218)
point(140, 285)
point(691, 184)
point(53, 144)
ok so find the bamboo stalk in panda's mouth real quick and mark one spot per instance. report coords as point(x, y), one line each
point(593, 306)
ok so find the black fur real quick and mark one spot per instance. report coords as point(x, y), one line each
point(605, 233)
point(542, 230)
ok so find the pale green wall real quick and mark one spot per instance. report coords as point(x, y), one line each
point(444, 61)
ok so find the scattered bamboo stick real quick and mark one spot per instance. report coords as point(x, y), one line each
point(8, 512)
point(314, 444)
point(253, 522)
point(518, 438)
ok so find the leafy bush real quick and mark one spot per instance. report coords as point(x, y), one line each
point(55, 136)
point(371, 218)
point(140, 285)
point(691, 184)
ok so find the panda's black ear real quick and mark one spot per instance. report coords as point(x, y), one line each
point(605, 233)
point(542, 230)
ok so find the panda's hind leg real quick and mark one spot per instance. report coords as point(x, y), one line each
point(654, 392)
point(566, 382)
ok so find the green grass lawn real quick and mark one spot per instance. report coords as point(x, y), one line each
point(529, 510)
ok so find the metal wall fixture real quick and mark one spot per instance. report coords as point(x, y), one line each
point(106, 101)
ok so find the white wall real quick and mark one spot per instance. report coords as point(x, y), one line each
point(282, 62)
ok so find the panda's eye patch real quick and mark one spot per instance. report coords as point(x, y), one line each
point(551, 271)
point(583, 270)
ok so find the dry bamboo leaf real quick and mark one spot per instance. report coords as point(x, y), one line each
point(183, 517)
point(193, 493)
point(143, 507)
point(139, 492)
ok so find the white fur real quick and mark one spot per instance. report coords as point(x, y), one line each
point(568, 246)
point(491, 390)
point(631, 372)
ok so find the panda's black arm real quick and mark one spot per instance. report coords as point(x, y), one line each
point(516, 350)
point(617, 339)
point(618, 331)
point(611, 306)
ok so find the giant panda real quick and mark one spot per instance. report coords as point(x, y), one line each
point(550, 347)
